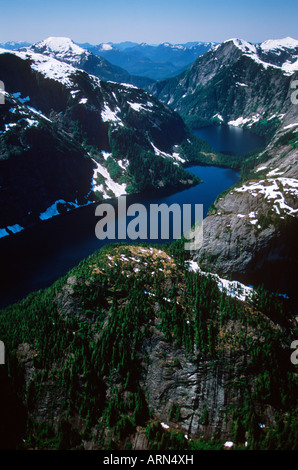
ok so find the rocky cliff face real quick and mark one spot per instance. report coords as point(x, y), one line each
point(237, 82)
point(250, 231)
point(171, 362)
point(174, 380)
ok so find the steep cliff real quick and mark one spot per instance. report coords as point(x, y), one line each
point(250, 231)
point(136, 349)
point(237, 83)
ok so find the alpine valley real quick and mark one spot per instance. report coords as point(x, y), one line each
point(153, 61)
point(100, 138)
point(151, 347)
point(144, 60)
point(250, 231)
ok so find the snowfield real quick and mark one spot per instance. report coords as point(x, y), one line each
point(274, 190)
point(108, 115)
point(118, 189)
point(241, 121)
point(276, 46)
point(232, 288)
point(60, 45)
point(273, 44)
point(47, 66)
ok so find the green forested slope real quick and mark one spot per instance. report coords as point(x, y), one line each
point(116, 347)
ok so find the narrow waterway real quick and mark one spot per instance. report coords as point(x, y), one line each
point(35, 258)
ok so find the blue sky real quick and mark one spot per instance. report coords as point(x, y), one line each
point(151, 21)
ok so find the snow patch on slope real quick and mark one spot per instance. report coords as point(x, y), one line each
point(233, 288)
point(108, 115)
point(273, 44)
point(140, 107)
point(274, 190)
point(118, 189)
point(241, 121)
point(175, 155)
point(53, 210)
point(10, 229)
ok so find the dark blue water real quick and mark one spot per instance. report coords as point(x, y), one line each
point(230, 139)
point(215, 181)
point(35, 258)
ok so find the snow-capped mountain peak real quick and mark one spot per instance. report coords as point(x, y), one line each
point(277, 53)
point(243, 45)
point(62, 48)
point(273, 44)
point(47, 65)
point(60, 45)
point(106, 47)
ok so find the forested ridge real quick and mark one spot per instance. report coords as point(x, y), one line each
point(79, 357)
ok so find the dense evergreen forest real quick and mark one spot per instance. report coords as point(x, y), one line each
point(78, 354)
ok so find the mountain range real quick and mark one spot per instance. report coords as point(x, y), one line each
point(14, 45)
point(107, 126)
point(250, 228)
point(153, 61)
point(143, 347)
point(234, 80)
point(65, 50)
point(142, 60)
point(98, 136)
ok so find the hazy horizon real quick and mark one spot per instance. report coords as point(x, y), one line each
point(132, 42)
point(153, 22)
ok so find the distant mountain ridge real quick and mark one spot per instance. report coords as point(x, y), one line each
point(14, 45)
point(154, 61)
point(236, 80)
point(144, 60)
point(65, 50)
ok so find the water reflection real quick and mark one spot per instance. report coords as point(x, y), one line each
point(230, 139)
